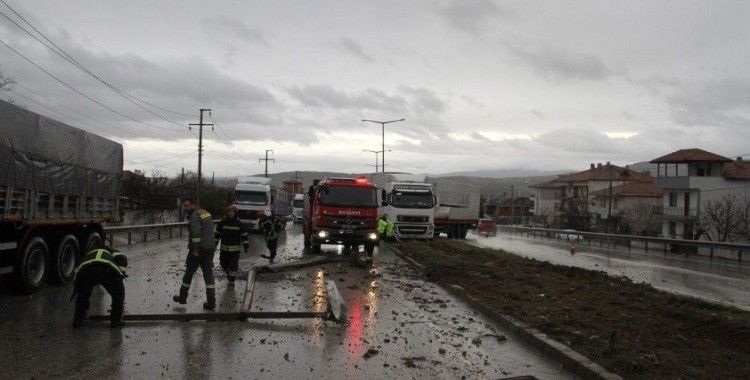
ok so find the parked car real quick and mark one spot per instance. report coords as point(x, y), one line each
point(570, 235)
point(487, 227)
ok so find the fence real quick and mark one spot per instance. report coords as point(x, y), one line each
point(144, 230)
point(627, 240)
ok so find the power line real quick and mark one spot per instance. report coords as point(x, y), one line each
point(81, 93)
point(62, 53)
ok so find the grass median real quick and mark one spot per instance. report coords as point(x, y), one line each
point(629, 328)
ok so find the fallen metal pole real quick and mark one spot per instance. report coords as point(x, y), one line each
point(297, 264)
point(233, 316)
point(247, 301)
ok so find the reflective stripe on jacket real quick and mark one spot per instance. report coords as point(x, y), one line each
point(232, 234)
point(101, 256)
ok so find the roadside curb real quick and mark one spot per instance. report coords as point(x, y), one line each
point(569, 358)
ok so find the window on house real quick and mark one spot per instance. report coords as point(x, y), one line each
point(672, 229)
point(672, 200)
point(701, 172)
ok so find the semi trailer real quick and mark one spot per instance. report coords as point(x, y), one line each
point(457, 209)
point(58, 186)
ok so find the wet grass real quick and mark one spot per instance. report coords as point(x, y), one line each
point(629, 328)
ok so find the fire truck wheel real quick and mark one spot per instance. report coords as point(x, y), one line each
point(369, 248)
point(32, 265)
point(64, 260)
point(314, 247)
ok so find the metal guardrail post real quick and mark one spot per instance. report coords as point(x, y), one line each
point(130, 238)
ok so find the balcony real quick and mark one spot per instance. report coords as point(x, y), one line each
point(673, 182)
point(680, 212)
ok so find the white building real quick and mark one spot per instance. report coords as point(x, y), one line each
point(709, 177)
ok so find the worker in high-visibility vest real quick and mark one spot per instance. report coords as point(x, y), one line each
point(267, 224)
point(234, 238)
point(201, 248)
point(105, 267)
point(385, 228)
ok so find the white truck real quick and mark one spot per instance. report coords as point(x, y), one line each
point(458, 207)
point(298, 208)
point(252, 194)
point(409, 204)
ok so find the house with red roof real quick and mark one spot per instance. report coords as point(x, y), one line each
point(565, 201)
point(694, 179)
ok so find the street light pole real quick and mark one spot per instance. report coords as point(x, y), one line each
point(376, 156)
point(382, 126)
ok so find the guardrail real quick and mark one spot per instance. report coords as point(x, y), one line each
point(667, 243)
point(144, 229)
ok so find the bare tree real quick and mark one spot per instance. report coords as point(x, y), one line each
point(6, 83)
point(644, 218)
point(724, 219)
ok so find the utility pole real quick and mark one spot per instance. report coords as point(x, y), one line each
point(609, 207)
point(512, 205)
point(382, 125)
point(266, 160)
point(182, 194)
point(212, 179)
point(200, 126)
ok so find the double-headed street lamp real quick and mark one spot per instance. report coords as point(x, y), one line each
point(376, 156)
point(382, 125)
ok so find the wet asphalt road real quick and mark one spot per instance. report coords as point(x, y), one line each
point(397, 326)
point(719, 280)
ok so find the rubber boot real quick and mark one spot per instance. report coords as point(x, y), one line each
point(210, 303)
point(182, 298)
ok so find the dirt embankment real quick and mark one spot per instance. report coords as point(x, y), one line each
point(631, 329)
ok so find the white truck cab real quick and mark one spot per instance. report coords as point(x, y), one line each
point(252, 194)
point(298, 204)
point(409, 204)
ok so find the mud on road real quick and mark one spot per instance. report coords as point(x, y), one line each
point(398, 325)
point(631, 329)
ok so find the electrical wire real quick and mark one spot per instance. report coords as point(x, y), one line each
point(81, 93)
point(62, 53)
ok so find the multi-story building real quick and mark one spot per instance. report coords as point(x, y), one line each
point(692, 179)
point(510, 211)
point(632, 208)
point(565, 200)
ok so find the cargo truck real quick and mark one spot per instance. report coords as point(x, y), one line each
point(58, 185)
point(252, 194)
point(298, 205)
point(458, 207)
point(341, 211)
point(409, 204)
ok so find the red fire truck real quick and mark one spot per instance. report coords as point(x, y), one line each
point(341, 211)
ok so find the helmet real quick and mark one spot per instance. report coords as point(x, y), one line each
point(232, 208)
point(121, 260)
point(261, 213)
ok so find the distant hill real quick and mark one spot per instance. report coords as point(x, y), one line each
point(502, 173)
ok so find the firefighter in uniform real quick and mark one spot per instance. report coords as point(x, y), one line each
point(105, 267)
point(201, 247)
point(233, 239)
point(267, 226)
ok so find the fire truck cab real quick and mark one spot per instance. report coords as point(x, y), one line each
point(341, 211)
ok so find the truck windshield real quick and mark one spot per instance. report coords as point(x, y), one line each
point(348, 196)
point(403, 199)
point(298, 203)
point(251, 197)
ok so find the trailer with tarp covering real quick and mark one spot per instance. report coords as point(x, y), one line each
point(58, 185)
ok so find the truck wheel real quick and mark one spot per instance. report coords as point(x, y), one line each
point(369, 248)
point(464, 232)
point(32, 265)
point(92, 242)
point(64, 260)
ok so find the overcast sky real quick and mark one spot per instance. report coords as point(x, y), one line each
point(483, 85)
